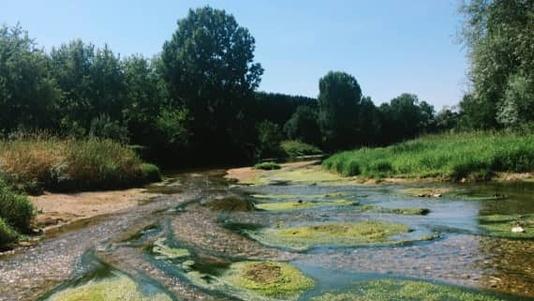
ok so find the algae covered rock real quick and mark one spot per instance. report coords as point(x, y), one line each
point(426, 192)
point(267, 278)
point(302, 204)
point(119, 287)
point(404, 290)
point(508, 226)
point(333, 234)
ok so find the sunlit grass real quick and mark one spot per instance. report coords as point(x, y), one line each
point(451, 156)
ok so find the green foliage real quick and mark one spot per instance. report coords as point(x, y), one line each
point(15, 209)
point(499, 35)
point(150, 172)
point(7, 234)
point(454, 156)
point(91, 80)
point(295, 148)
point(303, 125)
point(16, 213)
point(103, 127)
point(339, 97)
point(267, 166)
point(28, 94)
point(276, 107)
point(209, 67)
point(517, 107)
point(269, 138)
point(405, 117)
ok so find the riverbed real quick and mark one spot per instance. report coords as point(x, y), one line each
point(207, 238)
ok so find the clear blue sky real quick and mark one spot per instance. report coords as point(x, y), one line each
point(390, 46)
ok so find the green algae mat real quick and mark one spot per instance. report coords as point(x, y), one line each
point(271, 279)
point(302, 204)
point(118, 287)
point(331, 234)
point(256, 280)
point(508, 226)
point(404, 290)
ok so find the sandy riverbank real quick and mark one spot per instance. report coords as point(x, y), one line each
point(55, 210)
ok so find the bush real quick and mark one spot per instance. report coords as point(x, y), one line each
point(296, 148)
point(7, 234)
point(267, 166)
point(151, 172)
point(15, 209)
point(71, 164)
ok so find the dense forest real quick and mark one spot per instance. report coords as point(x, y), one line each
point(197, 95)
point(200, 93)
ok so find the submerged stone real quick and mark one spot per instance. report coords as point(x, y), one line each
point(508, 226)
point(337, 234)
point(267, 278)
point(116, 288)
point(302, 204)
point(400, 211)
point(404, 290)
point(426, 192)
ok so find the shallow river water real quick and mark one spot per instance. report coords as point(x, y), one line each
point(180, 246)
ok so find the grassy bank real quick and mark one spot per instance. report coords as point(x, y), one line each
point(36, 163)
point(450, 156)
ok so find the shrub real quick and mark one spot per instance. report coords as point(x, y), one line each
point(151, 172)
point(15, 209)
point(296, 148)
point(7, 234)
point(267, 166)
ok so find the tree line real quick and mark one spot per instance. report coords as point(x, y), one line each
point(197, 101)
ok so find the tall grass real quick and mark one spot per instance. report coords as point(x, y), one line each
point(47, 162)
point(451, 156)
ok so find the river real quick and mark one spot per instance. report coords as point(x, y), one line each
point(180, 245)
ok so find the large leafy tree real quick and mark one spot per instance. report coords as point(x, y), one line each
point(209, 67)
point(500, 38)
point(405, 117)
point(28, 95)
point(339, 98)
